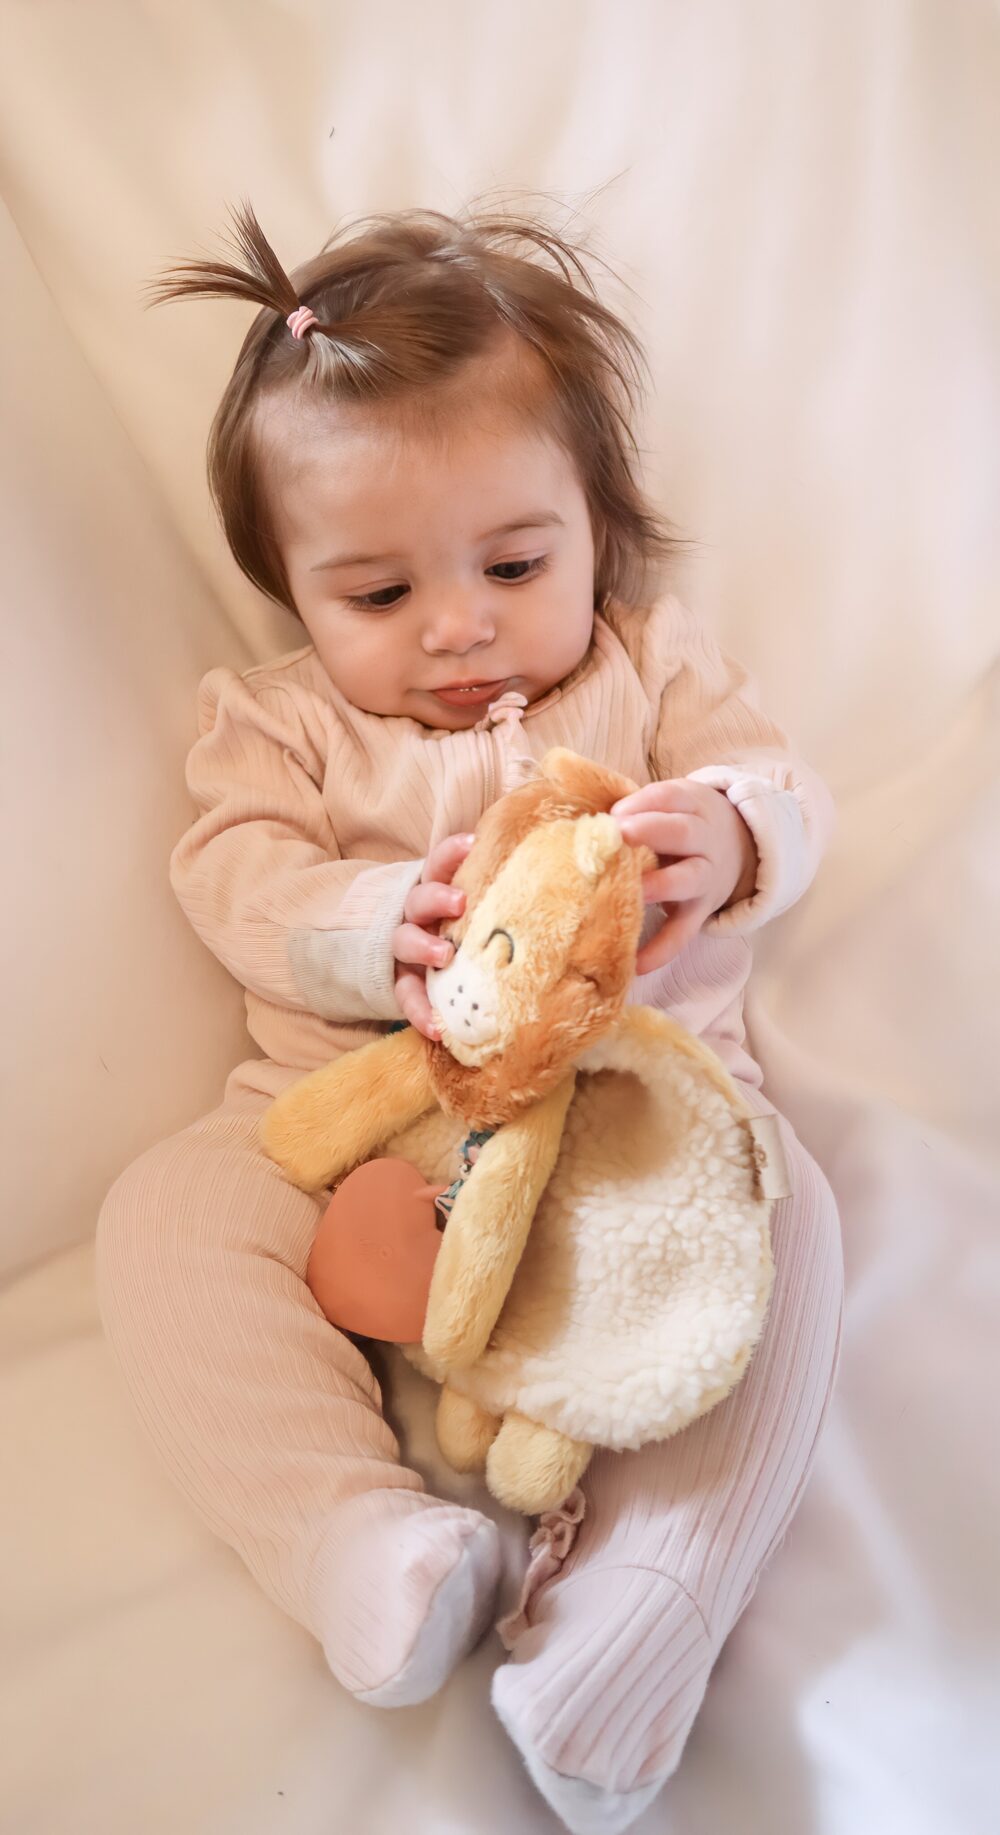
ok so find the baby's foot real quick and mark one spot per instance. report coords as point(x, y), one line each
point(404, 1587)
point(601, 1691)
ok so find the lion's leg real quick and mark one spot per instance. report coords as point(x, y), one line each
point(532, 1468)
point(465, 1432)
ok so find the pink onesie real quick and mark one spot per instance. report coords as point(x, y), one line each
point(314, 819)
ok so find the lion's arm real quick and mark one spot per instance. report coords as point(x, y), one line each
point(334, 1118)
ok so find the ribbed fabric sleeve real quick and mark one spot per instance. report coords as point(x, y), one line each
point(259, 873)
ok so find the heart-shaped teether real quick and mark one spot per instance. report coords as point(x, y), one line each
point(371, 1263)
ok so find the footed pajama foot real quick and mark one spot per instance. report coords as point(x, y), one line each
point(601, 1691)
point(402, 1592)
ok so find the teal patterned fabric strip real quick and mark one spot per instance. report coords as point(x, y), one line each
point(472, 1146)
point(471, 1149)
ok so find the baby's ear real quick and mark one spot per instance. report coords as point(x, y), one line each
point(593, 786)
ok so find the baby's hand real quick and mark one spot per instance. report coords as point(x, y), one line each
point(416, 944)
point(707, 858)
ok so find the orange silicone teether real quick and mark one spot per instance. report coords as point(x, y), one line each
point(371, 1263)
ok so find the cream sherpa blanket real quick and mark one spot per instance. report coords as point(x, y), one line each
point(644, 1283)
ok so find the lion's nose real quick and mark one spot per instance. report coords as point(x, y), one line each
point(463, 997)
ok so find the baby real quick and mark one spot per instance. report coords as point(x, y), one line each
point(425, 453)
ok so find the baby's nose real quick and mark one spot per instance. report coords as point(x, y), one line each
point(463, 998)
point(459, 623)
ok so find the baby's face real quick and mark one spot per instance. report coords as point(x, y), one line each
point(434, 568)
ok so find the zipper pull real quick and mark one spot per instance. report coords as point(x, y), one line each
point(504, 717)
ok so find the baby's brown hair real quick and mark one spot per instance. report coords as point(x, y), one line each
point(402, 301)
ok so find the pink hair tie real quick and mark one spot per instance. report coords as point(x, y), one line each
point(300, 321)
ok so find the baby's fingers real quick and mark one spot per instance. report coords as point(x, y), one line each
point(411, 944)
point(674, 796)
point(443, 861)
point(665, 834)
point(412, 1001)
point(429, 902)
point(685, 879)
point(680, 927)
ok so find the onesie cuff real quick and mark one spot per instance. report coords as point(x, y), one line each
point(776, 823)
point(349, 972)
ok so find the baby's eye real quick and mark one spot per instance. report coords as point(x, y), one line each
point(516, 570)
point(379, 601)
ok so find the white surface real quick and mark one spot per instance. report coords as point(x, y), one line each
point(804, 203)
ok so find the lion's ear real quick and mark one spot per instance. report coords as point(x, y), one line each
point(596, 841)
point(593, 786)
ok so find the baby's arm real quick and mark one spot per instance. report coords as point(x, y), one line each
point(259, 873)
point(712, 741)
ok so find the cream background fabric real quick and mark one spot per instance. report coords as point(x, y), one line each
point(801, 196)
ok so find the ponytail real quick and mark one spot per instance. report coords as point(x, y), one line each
point(394, 306)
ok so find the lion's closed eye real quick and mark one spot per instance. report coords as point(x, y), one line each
point(509, 940)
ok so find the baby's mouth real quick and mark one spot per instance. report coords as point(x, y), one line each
point(470, 694)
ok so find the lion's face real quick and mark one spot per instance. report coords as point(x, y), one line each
point(546, 951)
point(519, 945)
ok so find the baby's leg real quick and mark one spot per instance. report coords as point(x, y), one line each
point(601, 1690)
point(269, 1420)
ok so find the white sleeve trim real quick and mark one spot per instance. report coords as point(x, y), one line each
point(774, 818)
point(350, 974)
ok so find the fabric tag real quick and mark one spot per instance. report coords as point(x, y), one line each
point(773, 1179)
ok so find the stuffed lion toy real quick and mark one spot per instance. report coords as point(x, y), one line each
point(606, 1266)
